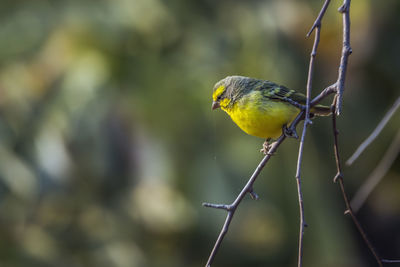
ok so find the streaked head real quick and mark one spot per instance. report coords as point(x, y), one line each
point(224, 91)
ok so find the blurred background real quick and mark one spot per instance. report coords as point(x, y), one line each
point(108, 145)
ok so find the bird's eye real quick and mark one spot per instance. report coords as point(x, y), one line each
point(219, 97)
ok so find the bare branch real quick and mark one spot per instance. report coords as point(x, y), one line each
point(346, 51)
point(375, 133)
point(339, 178)
point(338, 88)
point(317, 22)
point(390, 261)
point(377, 175)
point(307, 121)
point(326, 92)
point(248, 188)
point(336, 110)
point(218, 206)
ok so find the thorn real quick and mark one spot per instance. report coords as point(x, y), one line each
point(346, 212)
point(254, 195)
point(310, 31)
point(337, 177)
point(343, 8)
point(315, 25)
point(305, 224)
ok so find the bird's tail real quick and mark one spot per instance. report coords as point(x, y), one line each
point(321, 110)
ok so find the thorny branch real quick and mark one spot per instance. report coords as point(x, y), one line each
point(346, 51)
point(338, 88)
point(339, 178)
point(307, 121)
point(248, 188)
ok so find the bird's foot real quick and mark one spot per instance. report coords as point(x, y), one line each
point(266, 147)
point(289, 132)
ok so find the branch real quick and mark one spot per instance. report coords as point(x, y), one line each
point(327, 91)
point(346, 51)
point(307, 121)
point(336, 110)
point(375, 133)
point(377, 175)
point(248, 188)
point(317, 23)
point(339, 178)
point(390, 261)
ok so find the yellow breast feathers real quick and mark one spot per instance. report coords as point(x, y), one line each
point(260, 116)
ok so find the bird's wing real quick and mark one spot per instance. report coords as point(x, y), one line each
point(282, 93)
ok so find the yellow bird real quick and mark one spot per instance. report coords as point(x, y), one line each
point(260, 108)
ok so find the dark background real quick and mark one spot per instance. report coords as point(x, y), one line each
point(108, 145)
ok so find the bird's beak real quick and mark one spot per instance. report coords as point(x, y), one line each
point(215, 105)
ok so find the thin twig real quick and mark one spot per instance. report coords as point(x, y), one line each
point(327, 91)
point(375, 133)
point(248, 188)
point(377, 175)
point(346, 51)
point(339, 178)
point(390, 261)
point(336, 110)
point(317, 22)
point(307, 121)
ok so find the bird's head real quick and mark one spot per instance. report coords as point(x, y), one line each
point(224, 92)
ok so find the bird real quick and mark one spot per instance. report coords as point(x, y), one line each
point(260, 107)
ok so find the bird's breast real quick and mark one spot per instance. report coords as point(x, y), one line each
point(260, 116)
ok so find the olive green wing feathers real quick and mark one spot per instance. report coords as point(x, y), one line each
point(281, 93)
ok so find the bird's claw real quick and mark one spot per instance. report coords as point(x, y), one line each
point(266, 147)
